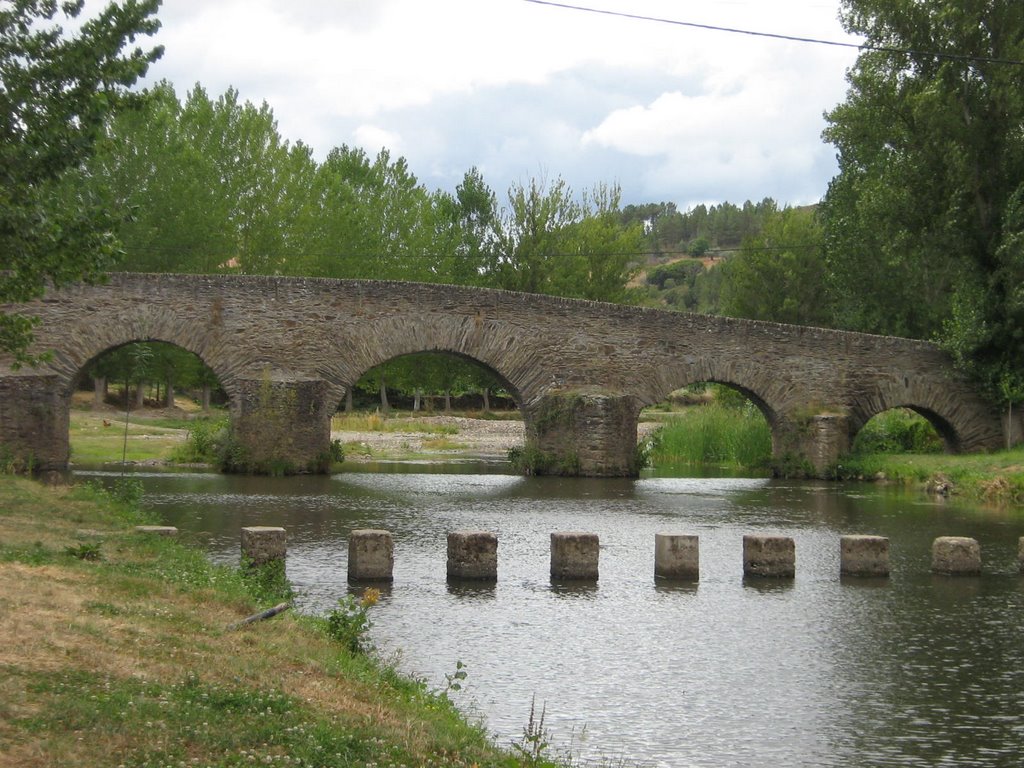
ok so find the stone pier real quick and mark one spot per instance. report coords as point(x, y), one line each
point(473, 555)
point(574, 555)
point(677, 556)
point(371, 555)
point(282, 426)
point(583, 433)
point(262, 545)
point(769, 557)
point(864, 556)
point(956, 556)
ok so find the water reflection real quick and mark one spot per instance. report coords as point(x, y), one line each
point(814, 671)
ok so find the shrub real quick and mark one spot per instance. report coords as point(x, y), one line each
point(350, 623)
point(899, 430)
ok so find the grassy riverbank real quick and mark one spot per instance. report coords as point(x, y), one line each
point(899, 447)
point(993, 478)
point(114, 650)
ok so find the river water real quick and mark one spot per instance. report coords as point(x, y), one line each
point(914, 670)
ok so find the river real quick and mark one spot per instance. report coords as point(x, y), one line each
point(914, 670)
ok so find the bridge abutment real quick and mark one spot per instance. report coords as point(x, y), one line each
point(280, 426)
point(582, 434)
point(34, 421)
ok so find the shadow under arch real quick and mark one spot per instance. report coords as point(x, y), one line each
point(169, 370)
point(946, 431)
point(428, 369)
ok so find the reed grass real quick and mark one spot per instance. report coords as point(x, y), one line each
point(713, 434)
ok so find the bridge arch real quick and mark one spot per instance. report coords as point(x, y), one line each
point(956, 420)
point(770, 390)
point(475, 339)
point(103, 335)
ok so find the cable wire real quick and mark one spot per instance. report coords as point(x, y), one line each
point(775, 36)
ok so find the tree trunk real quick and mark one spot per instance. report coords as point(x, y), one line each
point(140, 395)
point(447, 401)
point(169, 394)
point(385, 408)
point(416, 400)
point(487, 399)
point(99, 391)
point(206, 397)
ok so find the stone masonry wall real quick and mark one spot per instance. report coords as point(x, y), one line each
point(329, 332)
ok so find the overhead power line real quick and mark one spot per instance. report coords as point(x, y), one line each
point(775, 36)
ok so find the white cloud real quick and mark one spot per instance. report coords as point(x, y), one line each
point(518, 89)
point(373, 139)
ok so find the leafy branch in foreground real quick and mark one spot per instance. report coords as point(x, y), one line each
point(58, 90)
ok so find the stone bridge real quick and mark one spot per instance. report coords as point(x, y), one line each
point(286, 349)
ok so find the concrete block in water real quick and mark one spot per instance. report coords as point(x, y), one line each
point(956, 556)
point(864, 556)
point(769, 556)
point(157, 530)
point(574, 555)
point(677, 556)
point(473, 555)
point(262, 544)
point(371, 555)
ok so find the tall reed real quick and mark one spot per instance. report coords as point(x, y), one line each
point(713, 434)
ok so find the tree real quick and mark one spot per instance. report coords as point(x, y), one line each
point(922, 221)
point(779, 275)
point(550, 242)
point(372, 220)
point(475, 213)
point(56, 92)
point(205, 185)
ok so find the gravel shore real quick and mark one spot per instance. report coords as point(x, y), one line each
point(482, 438)
point(476, 438)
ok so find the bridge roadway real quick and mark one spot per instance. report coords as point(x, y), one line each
point(286, 349)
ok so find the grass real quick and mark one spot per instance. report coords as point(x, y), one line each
point(97, 438)
point(126, 659)
point(712, 434)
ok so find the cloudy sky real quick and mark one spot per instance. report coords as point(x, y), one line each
point(523, 90)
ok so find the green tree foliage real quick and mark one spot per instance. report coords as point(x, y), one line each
point(779, 275)
point(700, 229)
point(429, 374)
point(204, 185)
point(550, 242)
point(923, 221)
point(56, 92)
point(373, 219)
point(474, 214)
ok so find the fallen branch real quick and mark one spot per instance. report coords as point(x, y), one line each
point(270, 612)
